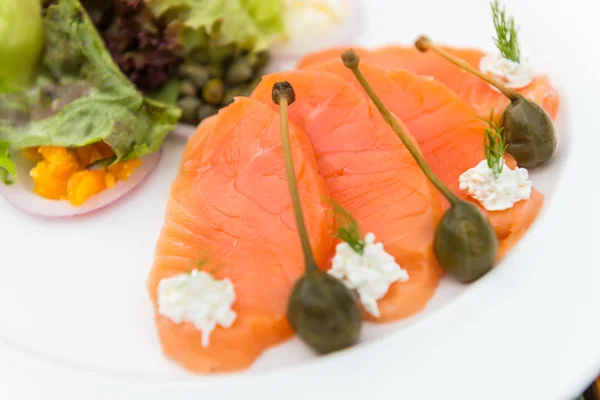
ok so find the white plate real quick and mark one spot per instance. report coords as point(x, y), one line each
point(75, 320)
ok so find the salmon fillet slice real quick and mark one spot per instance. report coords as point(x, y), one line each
point(448, 132)
point(371, 174)
point(231, 200)
point(477, 93)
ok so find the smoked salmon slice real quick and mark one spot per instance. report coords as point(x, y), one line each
point(477, 93)
point(231, 200)
point(448, 132)
point(371, 174)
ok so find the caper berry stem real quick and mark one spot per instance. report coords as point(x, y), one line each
point(423, 43)
point(351, 61)
point(283, 95)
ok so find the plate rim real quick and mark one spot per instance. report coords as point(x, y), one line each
point(575, 176)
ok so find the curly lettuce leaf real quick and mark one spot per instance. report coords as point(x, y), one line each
point(249, 23)
point(81, 97)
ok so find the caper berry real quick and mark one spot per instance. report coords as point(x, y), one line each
point(529, 133)
point(465, 244)
point(528, 130)
point(324, 312)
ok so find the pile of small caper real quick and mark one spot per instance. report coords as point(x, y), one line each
point(213, 77)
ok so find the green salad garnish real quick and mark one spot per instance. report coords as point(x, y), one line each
point(247, 23)
point(80, 96)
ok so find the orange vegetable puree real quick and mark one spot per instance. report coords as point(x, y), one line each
point(60, 173)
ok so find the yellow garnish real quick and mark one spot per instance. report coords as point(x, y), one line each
point(51, 174)
point(123, 170)
point(110, 180)
point(84, 184)
point(61, 174)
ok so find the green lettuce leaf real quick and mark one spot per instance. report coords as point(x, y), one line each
point(8, 169)
point(168, 94)
point(81, 96)
point(251, 24)
point(22, 42)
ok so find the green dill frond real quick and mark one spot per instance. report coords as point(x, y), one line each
point(204, 259)
point(494, 145)
point(347, 228)
point(506, 39)
point(199, 264)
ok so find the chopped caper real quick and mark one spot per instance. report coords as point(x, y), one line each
point(221, 54)
point(187, 88)
point(240, 71)
point(259, 59)
point(239, 90)
point(205, 111)
point(201, 56)
point(213, 91)
point(216, 71)
point(197, 74)
point(189, 109)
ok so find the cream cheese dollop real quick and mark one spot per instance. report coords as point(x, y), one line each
point(512, 74)
point(370, 274)
point(197, 298)
point(496, 193)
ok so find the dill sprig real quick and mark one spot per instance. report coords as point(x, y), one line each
point(506, 39)
point(494, 145)
point(347, 228)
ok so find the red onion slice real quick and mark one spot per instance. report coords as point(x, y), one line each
point(21, 194)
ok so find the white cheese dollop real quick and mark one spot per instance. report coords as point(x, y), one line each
point(370, 274)
point(197, 298)
point(511, 74)
point(495, 194)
